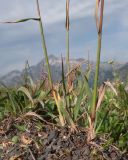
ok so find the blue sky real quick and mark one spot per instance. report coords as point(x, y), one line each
point(20, 42)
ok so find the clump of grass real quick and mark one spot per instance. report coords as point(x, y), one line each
point(103, 112)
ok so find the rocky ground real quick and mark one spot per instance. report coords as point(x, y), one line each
point(32, 140)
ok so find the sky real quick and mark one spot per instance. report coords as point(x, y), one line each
point(21, 42)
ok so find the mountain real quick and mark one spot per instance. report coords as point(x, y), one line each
point(123, 72)
point(16, 78)
point(12, 78)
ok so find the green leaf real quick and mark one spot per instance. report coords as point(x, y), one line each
point(63, 78)
point(13, 105)
point(88, 90)
point(20, 127)
point(78, 103)
point(15, 139)
point(26, 92)
point(22, 20)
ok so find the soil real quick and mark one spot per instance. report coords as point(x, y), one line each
point(39, 141)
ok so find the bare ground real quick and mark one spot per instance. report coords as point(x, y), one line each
point(36, 141)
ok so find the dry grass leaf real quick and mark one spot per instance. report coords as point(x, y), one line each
point(109, 84)
point(2, 130)
point(25, 139)
point(33, 114)
point(15, 158)
point(6, 144)
point(57, 100)
point(90, 131)
point(101, 95)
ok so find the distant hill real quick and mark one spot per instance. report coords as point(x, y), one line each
point(16, 78)
point(123, 72)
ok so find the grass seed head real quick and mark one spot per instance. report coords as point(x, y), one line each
point(99, 19)
point(67, 15)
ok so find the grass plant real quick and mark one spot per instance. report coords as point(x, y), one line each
point(102, 111)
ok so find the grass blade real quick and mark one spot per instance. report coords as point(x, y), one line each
point(26, 92)
point(21, 20)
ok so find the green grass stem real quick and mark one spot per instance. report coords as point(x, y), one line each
point(94, 101)
point(67, 48)
point(44, 44)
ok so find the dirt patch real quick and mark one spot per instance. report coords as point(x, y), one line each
point(31, 140)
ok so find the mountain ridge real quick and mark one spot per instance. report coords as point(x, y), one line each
point(16, 77)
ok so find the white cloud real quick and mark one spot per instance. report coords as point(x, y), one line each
point(53, 11)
